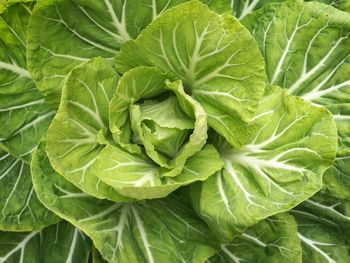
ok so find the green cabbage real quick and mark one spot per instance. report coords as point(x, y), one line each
point(174, 131)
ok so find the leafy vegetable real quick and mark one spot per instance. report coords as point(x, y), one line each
point(81, 128)
point(174, 131)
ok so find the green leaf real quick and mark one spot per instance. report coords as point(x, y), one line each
point(291, 145)
point(55, 244)
point(6, 3)
point(88, 29)
point(242, 8)
point(20, 209)
point(96, 256)
point(24, 116)
point(136, 176)
point(219, 6)
point(336, 181)
point(128, 232)
point(162, 123)
point(145, 83)
point(274, 239)
point(76, 135)
point(313, 60)
point(323, 226)
point(334, 211)
point(315, 70)
point(343, 5)
point(141, 83)
point(214, 56)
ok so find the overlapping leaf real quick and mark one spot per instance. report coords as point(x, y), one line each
point(291, 144)
point(127, 232)
point(77, 133)
point(166, 109)
point(142, 170)
point(80, 145)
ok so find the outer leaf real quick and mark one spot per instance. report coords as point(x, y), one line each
point(323, 226)
point(24, 117)
point(340, 4)
point(77, 133)
point(274, 239)
point(20, 208)
point(219, 6)
point(241, 8)
point(317, 67)
point(313, 61)
point(337, 179)
point(291, 144)
point(163, 230)
point(213, 55)
point(56, 244)
point(65, 33)
point(335, 211)
point(5, 3)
